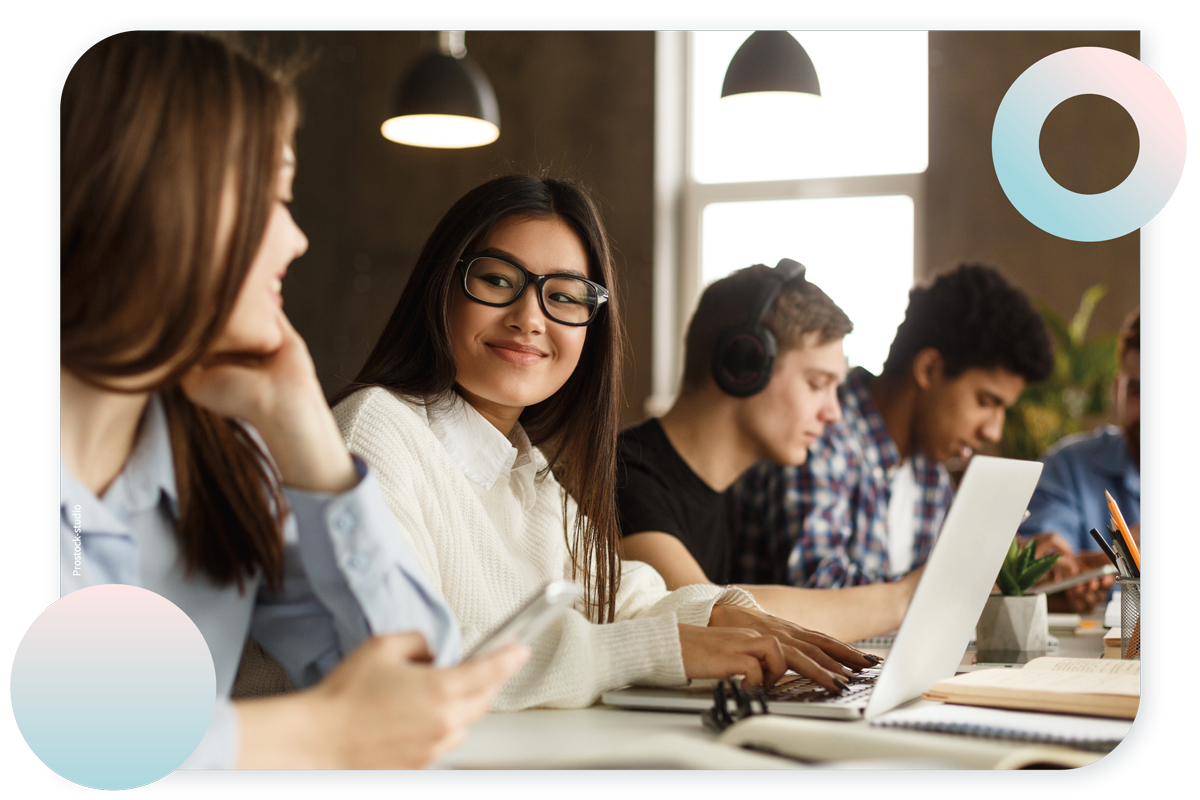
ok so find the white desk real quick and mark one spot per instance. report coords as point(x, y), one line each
point(600, 737)
point(605, 737)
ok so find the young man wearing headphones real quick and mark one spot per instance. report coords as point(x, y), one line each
point(762, 366)
point(871, 499)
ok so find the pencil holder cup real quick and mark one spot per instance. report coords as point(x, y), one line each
point(1131, 617)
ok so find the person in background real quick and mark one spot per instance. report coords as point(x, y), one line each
point(1069, 500)
point(196, 443)
point(488, 408)
point(738, 404)
point(867, 504)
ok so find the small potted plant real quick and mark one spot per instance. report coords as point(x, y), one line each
point(1013, 625)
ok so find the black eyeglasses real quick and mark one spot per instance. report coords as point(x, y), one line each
point(566, 299)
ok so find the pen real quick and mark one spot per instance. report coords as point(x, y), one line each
point(1128, 570)
point(1108, 551)
point(1134, 570)
point(1129, 543)
point(1122, 566)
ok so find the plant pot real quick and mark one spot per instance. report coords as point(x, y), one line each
point(1012, 629)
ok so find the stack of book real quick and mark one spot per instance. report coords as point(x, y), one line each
point(1093, 687)
point(1112, 643)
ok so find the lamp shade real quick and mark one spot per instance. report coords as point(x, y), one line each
point(770, 61)
point(444, 101)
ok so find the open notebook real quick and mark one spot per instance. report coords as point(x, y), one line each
point(940, 621)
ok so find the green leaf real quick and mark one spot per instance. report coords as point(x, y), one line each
point(1087, 305)
point(1025, 560)
point(1101, 349)
point(1010, 559)
point(1034, 572)
point(1007, 585)
point(1055, 324)
point(1096, 361)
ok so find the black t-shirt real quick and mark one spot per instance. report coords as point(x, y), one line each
point(657, 491)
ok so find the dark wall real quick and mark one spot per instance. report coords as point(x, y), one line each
point(1089, 144)
point(582, 104)
point(579, 104)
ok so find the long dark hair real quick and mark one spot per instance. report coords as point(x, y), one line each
point(156, 128)
point(577, 426)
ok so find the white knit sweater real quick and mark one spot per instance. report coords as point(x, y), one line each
point(488, 549)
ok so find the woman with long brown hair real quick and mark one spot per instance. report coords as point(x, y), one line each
point(489, 411)
point(198, 456)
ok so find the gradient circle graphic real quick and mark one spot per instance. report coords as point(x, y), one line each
point(113, 687)
point(1018, 160)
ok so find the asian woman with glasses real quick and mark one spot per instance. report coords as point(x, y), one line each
point(196, 445)
point(489, 410)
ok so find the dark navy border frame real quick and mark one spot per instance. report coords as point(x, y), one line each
point(1107, 771)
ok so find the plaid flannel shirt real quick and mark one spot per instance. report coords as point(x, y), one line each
point(824, 524)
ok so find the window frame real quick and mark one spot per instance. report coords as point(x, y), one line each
point(679, 206)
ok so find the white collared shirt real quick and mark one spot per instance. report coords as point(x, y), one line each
point(481, 451)
point(901, 518)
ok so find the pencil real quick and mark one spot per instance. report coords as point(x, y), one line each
point(1134, 650)
point(1129, 544)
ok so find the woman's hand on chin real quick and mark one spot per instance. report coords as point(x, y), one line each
point(279, 394)
point(253, 385)
point(814, 655)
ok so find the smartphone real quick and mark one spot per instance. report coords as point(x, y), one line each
point(543, 608)
point(1075, 580)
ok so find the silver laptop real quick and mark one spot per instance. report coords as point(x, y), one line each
point(940, 621)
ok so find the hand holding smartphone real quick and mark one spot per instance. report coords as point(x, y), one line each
point(543, 608)
point(1075, 580)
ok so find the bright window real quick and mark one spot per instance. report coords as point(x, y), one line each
point(835, 182)
point(857, 249)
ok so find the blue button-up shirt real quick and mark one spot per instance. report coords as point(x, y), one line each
point(1069, 499)
point(347, 574)
point(824, 524)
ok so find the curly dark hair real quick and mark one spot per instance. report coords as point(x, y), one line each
point(974, 318)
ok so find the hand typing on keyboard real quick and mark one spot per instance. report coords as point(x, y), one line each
point(823, 659)
point(797, 688)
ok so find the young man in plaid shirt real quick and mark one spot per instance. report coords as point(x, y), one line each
point(869, 501)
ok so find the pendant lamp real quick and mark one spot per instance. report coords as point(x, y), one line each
point(770, 61)
point(444, 101)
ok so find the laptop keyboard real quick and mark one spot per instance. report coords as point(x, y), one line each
point(798, 689)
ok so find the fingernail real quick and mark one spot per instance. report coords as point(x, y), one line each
point(873, 659)
point(840, 684)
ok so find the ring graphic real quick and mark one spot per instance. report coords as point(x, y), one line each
point(1018, 161)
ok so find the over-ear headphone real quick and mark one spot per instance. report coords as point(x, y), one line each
point(745, 353)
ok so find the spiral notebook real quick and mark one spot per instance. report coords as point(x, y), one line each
point(1084, 733)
